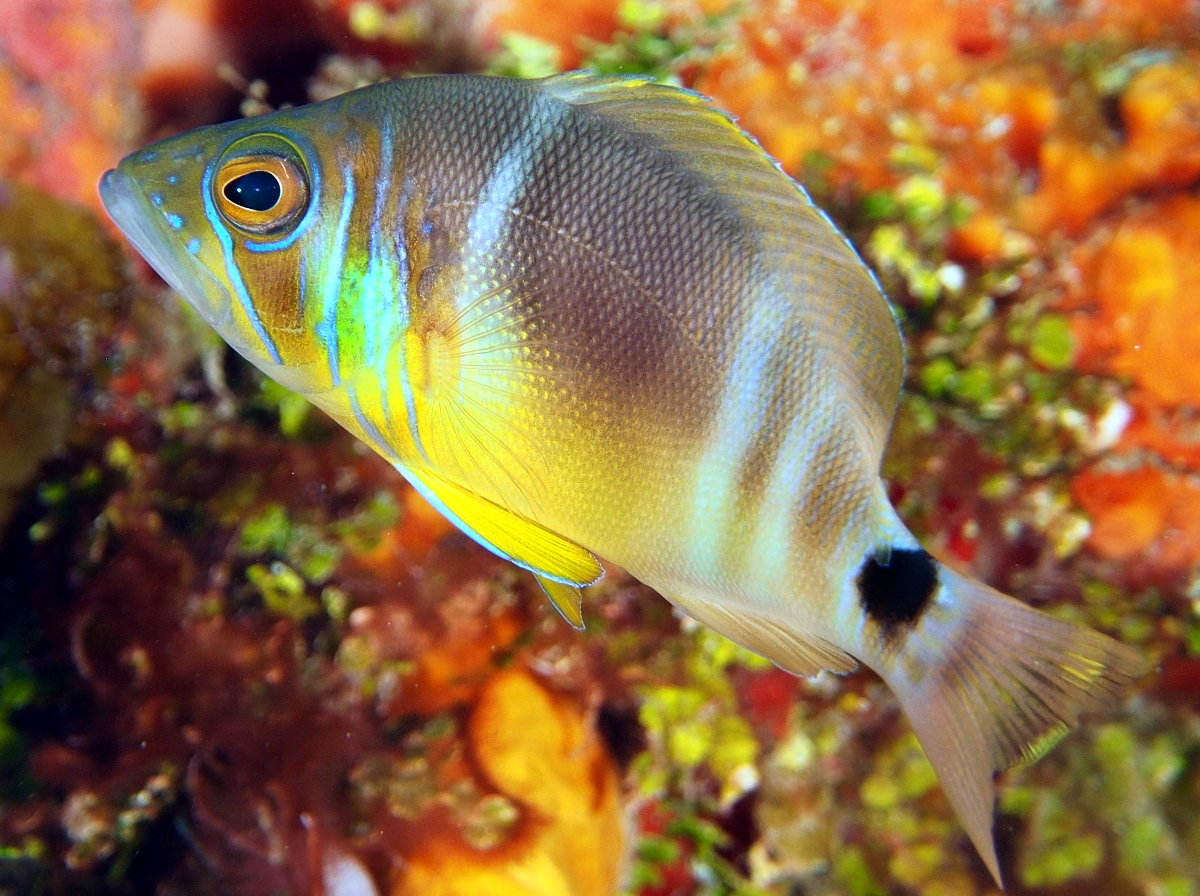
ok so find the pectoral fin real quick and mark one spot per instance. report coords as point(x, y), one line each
point(567, 599)
point(553, 559)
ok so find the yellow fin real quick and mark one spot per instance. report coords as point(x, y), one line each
point(567, 599)
point(528, 545)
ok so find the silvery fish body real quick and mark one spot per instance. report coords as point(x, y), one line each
point(589, 317)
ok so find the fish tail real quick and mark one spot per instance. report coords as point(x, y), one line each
point(988, 683)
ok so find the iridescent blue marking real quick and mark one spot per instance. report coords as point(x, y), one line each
point(235, 275)
point(193, 246)
point(157, 199)
point(282, 243)
point(326, 328)
point(410, 410)
point(382, 287)
point(175, 221)
point(410, 407)
point(379, 283)
point(172, 178)
point(369, 428)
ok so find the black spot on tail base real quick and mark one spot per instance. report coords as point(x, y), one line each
point(895, 587)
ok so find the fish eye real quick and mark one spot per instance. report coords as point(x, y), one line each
point(260, 192)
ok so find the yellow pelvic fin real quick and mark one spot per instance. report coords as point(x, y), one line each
point(567, 599)
point(535, 548)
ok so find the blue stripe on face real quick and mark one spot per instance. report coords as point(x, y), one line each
point(380, 283)
point(410, 409)
point(326, 328)
point(404, 276)
point(381, 292)
point(235, 275)
point(378, 440)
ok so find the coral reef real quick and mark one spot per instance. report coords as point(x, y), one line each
point(238, 654)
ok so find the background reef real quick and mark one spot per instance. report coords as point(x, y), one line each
point(239, 655)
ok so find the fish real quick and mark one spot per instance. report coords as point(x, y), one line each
point(589, 317)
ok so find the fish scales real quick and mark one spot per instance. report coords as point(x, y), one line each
point(589, 317)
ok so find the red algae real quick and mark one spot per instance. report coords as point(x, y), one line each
point(1141, 280)
point(69, 113)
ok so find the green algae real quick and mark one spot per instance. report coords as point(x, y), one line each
point(1051, 343)
point(694, 728)
point(293, 409)
point(273, 531)
point(312, 549)
point(524, 56)
point(283, 591)
point(850, 869)
point(1123, 798)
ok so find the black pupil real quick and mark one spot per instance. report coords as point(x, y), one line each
point(258, 191)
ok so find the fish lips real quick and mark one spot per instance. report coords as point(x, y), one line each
point(146, 228)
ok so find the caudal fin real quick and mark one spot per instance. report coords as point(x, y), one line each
point(988, 682)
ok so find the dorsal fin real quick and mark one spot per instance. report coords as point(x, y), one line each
point(837, 298)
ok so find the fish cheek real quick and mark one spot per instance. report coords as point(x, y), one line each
point(895, 587)
point(274, 283)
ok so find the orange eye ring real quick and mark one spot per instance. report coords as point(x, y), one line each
point(261, 193)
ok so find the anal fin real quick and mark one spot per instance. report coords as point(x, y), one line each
point(546, 554)
point(799, 653)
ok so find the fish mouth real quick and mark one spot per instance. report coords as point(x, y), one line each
point(124, 203)
point(145, 227)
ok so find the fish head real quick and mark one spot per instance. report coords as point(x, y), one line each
point(233, 217)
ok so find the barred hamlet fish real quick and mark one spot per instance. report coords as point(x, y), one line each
point(588, 317)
